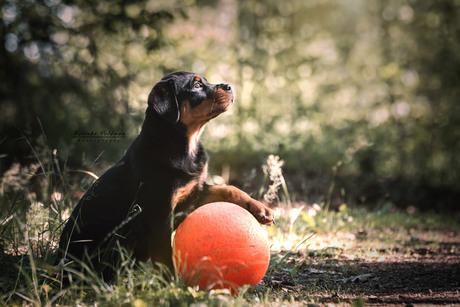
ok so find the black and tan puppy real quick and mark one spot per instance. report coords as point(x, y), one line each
point(163, 171)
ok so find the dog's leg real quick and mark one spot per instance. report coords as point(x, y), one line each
point(234, 195)
point(193, 195)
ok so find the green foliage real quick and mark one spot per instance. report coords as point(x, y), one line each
point(352, 81)
point(72, 64)
point(371, 84)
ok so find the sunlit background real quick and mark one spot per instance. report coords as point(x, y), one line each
point(360, 98)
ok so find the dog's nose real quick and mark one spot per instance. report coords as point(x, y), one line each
point(226, 87)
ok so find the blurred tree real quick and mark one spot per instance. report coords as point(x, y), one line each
point(70, 64)
point(369, 85)
point(373, 84)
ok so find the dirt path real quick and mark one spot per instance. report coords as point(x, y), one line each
point(414, 273)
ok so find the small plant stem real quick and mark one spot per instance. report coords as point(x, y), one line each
point(332, 186)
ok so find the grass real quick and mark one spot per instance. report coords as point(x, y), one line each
point(308, 245)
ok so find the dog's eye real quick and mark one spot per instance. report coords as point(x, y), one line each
point(198, 85)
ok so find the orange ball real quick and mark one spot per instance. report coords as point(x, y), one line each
point(220, 246)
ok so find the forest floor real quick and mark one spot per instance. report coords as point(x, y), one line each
point(349, 256)
point(417, 272)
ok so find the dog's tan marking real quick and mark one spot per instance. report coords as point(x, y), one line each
point(181, 194)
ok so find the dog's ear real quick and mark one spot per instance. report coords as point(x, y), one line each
point(163, 100)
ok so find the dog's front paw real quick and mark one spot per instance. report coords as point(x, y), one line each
point(261, 212)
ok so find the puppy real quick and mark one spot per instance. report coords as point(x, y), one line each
point(162, 175)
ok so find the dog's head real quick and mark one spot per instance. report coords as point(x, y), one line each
point(188, 98)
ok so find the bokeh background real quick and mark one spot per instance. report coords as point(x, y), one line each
point(360, 98)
